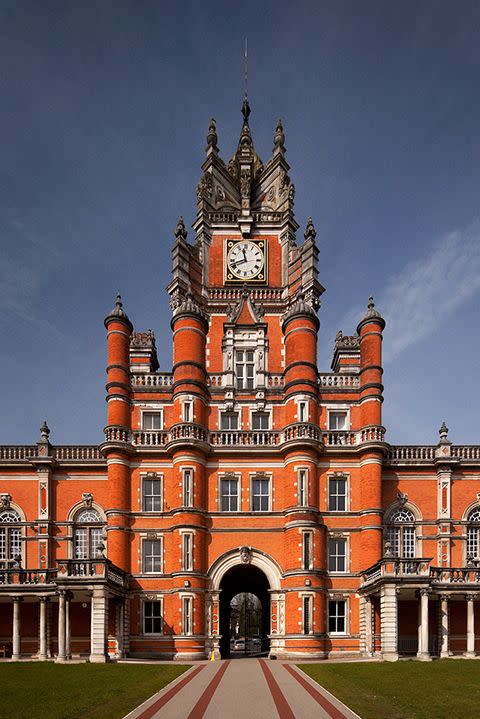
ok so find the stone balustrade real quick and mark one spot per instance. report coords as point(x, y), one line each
point(225, 438)
point(343, 381)
point(142, 380)
point(395, 567)
point(151, 438)
point(80, 569)
point(27, 576)
point(455, 575)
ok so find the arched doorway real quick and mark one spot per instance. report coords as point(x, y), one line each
point(247, 584)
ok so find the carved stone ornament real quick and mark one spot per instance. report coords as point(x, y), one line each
point(245, 182)
point(346, 341)
point(143, 339)
point(246, 555)
point(5, 500)
point(87, 499)
point(205, 187)
point(402, 498)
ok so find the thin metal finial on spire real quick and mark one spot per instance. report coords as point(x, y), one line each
point(245, 106)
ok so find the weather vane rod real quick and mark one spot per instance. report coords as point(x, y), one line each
point(245, 73)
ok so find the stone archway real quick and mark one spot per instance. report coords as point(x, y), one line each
point(244, 570)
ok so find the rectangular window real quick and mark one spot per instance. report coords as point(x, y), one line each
point(260, 495)
point(187, 411)
point(303, 488)
point(307, 550)
point(307, 615)
point(302, 412)
point(337, 557)
point(260, 420)
point(187, 488)
point(245, 369)
point(152, 555)
point(229, 420)
point(229, 495)
point(337, 420)
point(337, 616)
point(151, 494)
point(152, 618)
point(187, 552)
point(337, 494)
point(187, 620)
point(151, 421)
point(408, 542)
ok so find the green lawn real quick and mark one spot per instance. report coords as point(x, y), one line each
point(445, 689)
point(31, 690)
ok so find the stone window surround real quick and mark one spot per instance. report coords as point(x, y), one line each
point(339, 475)
point(338, 597)
point(261, 475)
point(298, 469)
point(182, 597)
point(332, 408)
point(311, 597)
point(335, 535)
point(148, 598)
point(302, 400)
point(151, 475)
point(143, 536)
point(417, 524)
point(21, 525)
point(71, 525)
point(184, 533)
point(303, 533)
point(183, 470)
point(254, 410)
point(234, 476)
point(242, 339)
point(151, 409)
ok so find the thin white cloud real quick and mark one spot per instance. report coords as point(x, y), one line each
point(426, 291)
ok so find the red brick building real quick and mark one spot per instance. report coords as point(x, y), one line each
point(244, 469)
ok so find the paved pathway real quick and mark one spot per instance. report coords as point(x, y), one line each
point(243, 689)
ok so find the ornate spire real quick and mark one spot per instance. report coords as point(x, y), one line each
point(212, 138)
point(443, 432)
point(118, 312)
point(310, 231)
point(180, 230)
point(371, 311)
point(279, 138)
point(44, 431)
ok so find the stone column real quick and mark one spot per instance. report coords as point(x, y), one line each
point(423, 653)
point(389, 622)
point(98, 633)
point(42, 644)
point(470, 598)
point(16, 628)
point(68, 597)
point(443, 626)
point(120, 627)
point(61, 655)
point(368, 612)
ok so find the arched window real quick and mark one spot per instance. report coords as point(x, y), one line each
point(401, 533)
point(473, 533)
point(10, 538)
point(87, 534)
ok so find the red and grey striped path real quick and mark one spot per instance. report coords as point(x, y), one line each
point(243, 689)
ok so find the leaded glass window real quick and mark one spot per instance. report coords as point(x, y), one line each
point(87, 534)
point(10, 539)
point(401, 533)
point(473, 533)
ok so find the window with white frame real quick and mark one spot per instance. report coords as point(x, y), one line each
point(302, 411)
point(152, 421)
point(473, 533)
point(187, 410)
point(337, 494)
point(187, 487)
point(400, 538)
point(307, 614)
point(337, 554)
point(229, 494)
point(302, 487)
point(10, 538)
point(152, 617)
point(307, 550)
point(337, 616)
point(87, 534)
point(229, 420)
point(260, 420)
point(187, 616)
point(338, 419)
point(245, 369)
point(260, 494)
point(187, 551)
point(152, 493)
point(151, 556)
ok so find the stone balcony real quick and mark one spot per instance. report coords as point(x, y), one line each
point(328, 381)
point(418, 570)
point(71, 572)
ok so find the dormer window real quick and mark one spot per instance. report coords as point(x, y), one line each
point(245, 369)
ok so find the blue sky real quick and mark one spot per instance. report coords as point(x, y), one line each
point(105, 112)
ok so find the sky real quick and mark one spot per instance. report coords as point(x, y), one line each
point(105, 110)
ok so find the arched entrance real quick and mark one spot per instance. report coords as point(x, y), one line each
point(244, 583)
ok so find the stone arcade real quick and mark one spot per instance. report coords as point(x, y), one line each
point(244, 469)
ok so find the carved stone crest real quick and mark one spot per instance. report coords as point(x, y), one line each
point(87, 499)
point(402, 498)
point(246, 555)
point(5, 500)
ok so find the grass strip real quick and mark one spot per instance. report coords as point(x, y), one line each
point(444, 689)
point(32, 690)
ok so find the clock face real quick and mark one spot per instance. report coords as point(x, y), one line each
point(246, 260)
